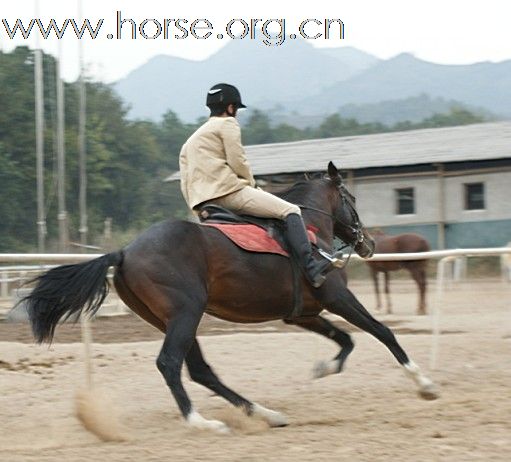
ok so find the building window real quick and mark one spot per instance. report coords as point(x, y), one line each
point(474, 196)
point(405, 201)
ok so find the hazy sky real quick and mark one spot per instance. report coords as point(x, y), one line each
point(442, 31)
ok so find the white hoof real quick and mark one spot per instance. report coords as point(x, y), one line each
point(274, 418)
point(429, 392)
point(195, 420)
point(324, 368)
point(427, 389)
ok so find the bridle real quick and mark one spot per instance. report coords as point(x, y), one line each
point(348, 199)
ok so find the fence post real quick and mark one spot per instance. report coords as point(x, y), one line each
point(440, 276)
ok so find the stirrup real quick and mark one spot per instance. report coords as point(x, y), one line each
point(335, 260)
point(323, 268)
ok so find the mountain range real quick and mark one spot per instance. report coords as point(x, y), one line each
point(304, 81)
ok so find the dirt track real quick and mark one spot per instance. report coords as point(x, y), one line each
point(369, 413)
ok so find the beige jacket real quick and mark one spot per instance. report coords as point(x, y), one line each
point(212, 162)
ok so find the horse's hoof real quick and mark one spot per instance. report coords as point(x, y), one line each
point(319, 370)
point(216, 426)
point(429, 392)
point(324, 368)
point(221, 428)
point(278, 420)
point(273, 418)
point(195, 420)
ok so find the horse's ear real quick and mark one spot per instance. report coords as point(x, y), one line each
point(334, 174)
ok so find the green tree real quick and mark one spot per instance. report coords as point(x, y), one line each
point(285, 132)
point(17, 152)
point(258, 130)
point(172, 133)
point(456, 116)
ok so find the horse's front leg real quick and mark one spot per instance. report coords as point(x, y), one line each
point(338, 299)
point(325, 328)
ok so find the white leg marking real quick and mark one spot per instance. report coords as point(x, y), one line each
point(427, 389)
point(324, 368)
point(195, 420)
point(274, 418)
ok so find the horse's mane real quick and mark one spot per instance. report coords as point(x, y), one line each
point(298, 192)
point(301, 191)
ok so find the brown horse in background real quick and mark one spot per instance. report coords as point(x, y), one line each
point(400, 243)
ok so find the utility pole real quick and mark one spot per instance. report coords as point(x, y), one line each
point(39, 128)
point(441, 206)
point(61, 159)
point(82, 153)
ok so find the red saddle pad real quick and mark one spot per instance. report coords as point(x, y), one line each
point(253, 238)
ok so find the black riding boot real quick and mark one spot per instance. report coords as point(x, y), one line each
point(298, 240)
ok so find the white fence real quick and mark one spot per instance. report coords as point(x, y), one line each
point(13, 277)
point(444, 256)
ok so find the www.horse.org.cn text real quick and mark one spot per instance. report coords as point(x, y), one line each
point(270, 32)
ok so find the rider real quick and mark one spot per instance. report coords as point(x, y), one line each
point(214, 168)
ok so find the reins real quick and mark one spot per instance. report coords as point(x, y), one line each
point(345, 245)
point(306, 207)
point(357, 231)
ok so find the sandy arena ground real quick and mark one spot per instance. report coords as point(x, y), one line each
point(370, 412)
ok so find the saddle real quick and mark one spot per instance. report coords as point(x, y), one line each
point(254, 234)
point(212, 213)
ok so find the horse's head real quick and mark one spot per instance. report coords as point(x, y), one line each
point(347, 224)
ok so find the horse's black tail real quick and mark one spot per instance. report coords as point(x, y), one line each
point(67, 290)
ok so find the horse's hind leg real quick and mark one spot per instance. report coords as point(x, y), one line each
point(327, 329)
point(179, 338)
point(387, 291)
point(202, 373)
point(341, 301)
point(134, 303)
point(419, 276)
point(374, 275)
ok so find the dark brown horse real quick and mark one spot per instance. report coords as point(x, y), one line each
point(400, 243)
point(177, 270)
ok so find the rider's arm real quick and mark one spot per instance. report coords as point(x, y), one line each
point(183, 168)
point(234, 152)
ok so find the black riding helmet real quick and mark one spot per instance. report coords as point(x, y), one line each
point(223, 94)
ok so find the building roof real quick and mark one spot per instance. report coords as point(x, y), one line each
point(476, 142)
